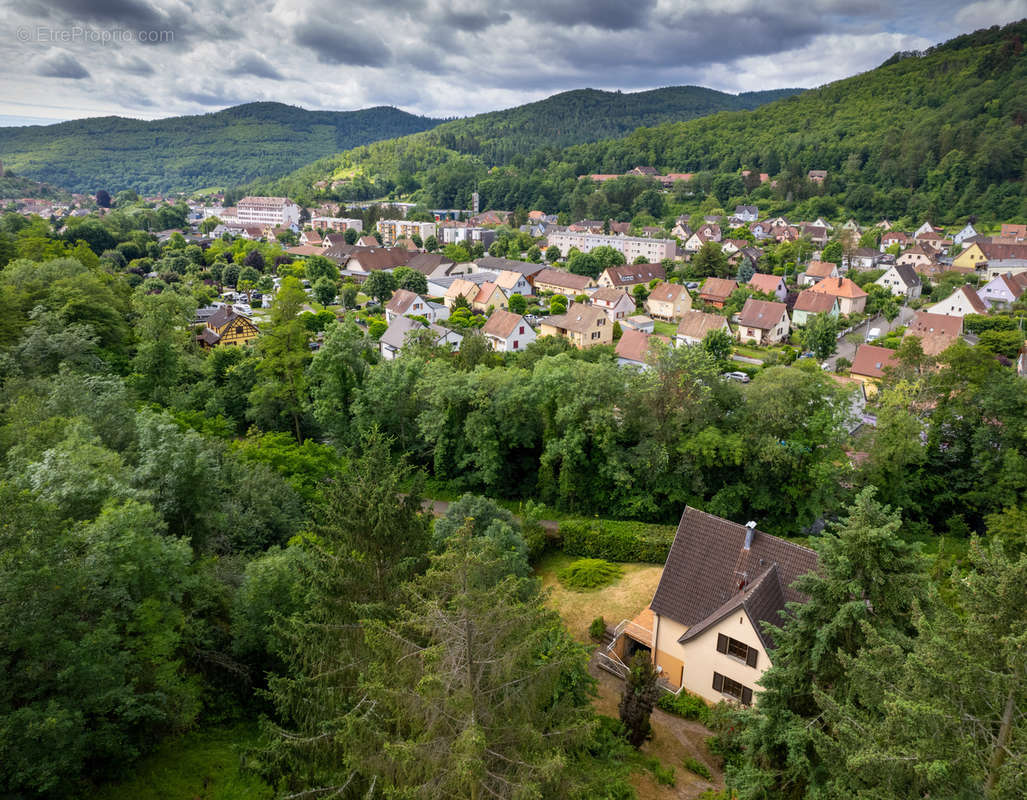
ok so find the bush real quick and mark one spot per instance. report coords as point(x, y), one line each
point(586, 574)
point(685, 704)
point(597, 629)
point(617, 541)
point(696, 766)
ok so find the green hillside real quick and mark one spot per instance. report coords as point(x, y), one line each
point(186, 153)
point(502, 137)
point(938, 133)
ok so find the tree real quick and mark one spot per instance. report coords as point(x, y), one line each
point(710, 261)
point(350, 235)
point(832, 252)
point(640, 693)
point(517, 304)
point(431, 244)
point(324, 290)
point(456, 253)
point(348, 294)
point(820, 336)
point(380, 285)
point(103, 198)
point(640, 292)
point(718, 344)
point(164, 340)
point(557, 304)
point(584, 264)
point(552, 254)
point(411, 280)
point(320, 267)
point(534, 254)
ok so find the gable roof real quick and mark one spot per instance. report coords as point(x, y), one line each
point(667, 292)
point(871, 360)
point(396, 334)
point(907, 274)
point(508, 278)
point(814, 302)
point(696, 324)
point(762, 282)
point(502, 324)
point(718, 288)
point(526, 268)
point(935, 331)
point(379, 258)
point(463, 286)
point(485, 291)
point(563, 279)
point(971, 297)
point(634, 344)
point(1002, 252)
point(839, 287)
point(401, 301)
point(610, 294)
point(820, 269)
point(635, 273)
point(579, 318)
point(427, 263)
point(762, 314)
point(709, 573)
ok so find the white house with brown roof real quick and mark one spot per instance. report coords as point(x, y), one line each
point(508, 332)
point(809, 303)
point(961, 302)
point(617, 303)
point(694, 326)
point(560, 281)
point(816, 271)
point(630, 275)
point(705, 626)
point(1003, 290)
point(512, 282)
point(668, 301)
point(632, 349)
point(902, 281)
point(405, 303)
point(763, 322)
point(769, 284)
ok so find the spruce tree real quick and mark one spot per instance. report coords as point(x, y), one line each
point(638, 698)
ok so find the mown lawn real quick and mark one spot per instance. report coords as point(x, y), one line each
point(668, 329)
point(202, 765)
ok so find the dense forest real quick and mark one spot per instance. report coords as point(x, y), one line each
point(936, 134)
point(193, 152)
point(196, 536)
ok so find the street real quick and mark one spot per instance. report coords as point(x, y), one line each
point(847, 349)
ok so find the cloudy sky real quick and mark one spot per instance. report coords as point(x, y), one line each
point(64, 59)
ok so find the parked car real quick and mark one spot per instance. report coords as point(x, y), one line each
point(874, 334)
point(741, 377)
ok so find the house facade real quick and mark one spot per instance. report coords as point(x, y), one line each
point(769, 284)
point(809, 303)
point(559, 281)
point(694, 326)
point(716, 291)
point(961, 302)
point(630, 275)
point(227, 326)
point(851, 299)
point(763, 322)
point(617, 303)
point(508, 332)
point(902, 281)
point(583, 326)
point(668, 301)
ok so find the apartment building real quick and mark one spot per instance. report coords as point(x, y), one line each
point(652, 250)
point(277, 211)
point(394, 229)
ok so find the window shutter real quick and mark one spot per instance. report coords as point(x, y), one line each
point(751, 656)
point(746, 696)
point(718, 682)
point(721, 643)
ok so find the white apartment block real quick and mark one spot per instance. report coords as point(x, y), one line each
point(652, 250)
point(276, 211)
point(336, 224)
point(395, 229)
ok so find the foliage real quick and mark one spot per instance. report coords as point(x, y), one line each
point(820, 335)
point(699, 768)
point(638, 698)
point(685, 704)
point(616, 541)
point(597, 629)
point(586, 574)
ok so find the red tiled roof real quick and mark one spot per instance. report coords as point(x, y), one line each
point(871, 360)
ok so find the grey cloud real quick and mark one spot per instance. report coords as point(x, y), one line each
point(134, 66)
point(209, 98)
point(474, 21)
point(257, 66)
point(335, 45)
point(121, 12)
point(62, 65)
point(611, 15)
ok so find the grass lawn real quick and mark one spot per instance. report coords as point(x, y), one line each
point(621, 600)
point(668, 329)
point(203, 765)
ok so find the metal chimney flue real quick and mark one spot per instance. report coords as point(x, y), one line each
point(750, 529)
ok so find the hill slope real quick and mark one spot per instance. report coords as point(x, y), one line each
point(191, 152)
point(501, 137)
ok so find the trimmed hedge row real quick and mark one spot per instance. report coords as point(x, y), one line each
point(617, 541)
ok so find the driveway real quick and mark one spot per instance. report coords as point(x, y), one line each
point(847, 349)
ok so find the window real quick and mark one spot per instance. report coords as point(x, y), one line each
point(737, 649)
point(521, 331)
point(238, 329)
point(732, 688)
point(515, 344)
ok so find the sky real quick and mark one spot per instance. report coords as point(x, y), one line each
point(66, 59)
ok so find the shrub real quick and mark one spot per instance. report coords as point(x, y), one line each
point(588, 573)
point(685, 705)
point(617, 541)
point(597, 629)
point(700, 769)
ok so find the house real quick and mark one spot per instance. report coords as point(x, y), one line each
point(869, 364)
point(583, 326)
point(716, 291)
point(816, 271)
point(312, 238)
point(902, 281)
point(432, 264)
point(681, 229)
point(705, 626)
point(968, 232)
point(1003, 290)
point(998, 258)
point(695, 325)
point(961, 302)
point(935, 331)
point(710, 232)
point(851, 299)
point(810, 303)
point(617, 303)
point(894, 237)
point(498, 265)
point(769, 284)
point(227, 326)
point(763, 322)
point(918, 255)
point(1016, 233)
point(367, 241)
point(732, 246)
point(405, 303)
point(401, 328)
point(668, 301)
point(489, 296)
point(817, 175)
point(507, 332)
point(560, 281)
point(761, 230)
point(638, 322)
point(461, 287)
point(747, 213)
point(512, 282)
point(926, 228)
point(817, 234)
point(633, 347)
point(863, 258)
point(373, 259)
point(630, 275)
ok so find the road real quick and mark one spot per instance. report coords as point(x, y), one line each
point(847, 349)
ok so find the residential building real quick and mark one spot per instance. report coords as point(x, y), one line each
point(918, 255)
point(747, 213)
point(434, 265)
point(402, 328)
point(902, 281)
point(763, 322)
point(438, 285)
point(817, 234)
point(935, 331)
point(817, 175)
point(996, 258)
point(632, 247)
point(809, 303)
point(816, 271)
point(583, 326)
point(869, 364)
point(769, 284)
point(1003, 290)
point(863, 258)
point(512, 283)
point(507, 332)
point(668, 301)
point(851, 299)
point(376, 259)
point(894, 237)
point(961, 302)
point(638, 322)
point(405, 303)
point(499, 265)
point(461, 287)
point(632, 349)
point(705, 627)
point(489, 296)
point(252, 210)
point(336, 224)
point(716, 291)
point(695, 325)
point(630, 275)
point(394, 229)
point(968, 232)
point(227, 326)
point(560, 281)
point(617, 303)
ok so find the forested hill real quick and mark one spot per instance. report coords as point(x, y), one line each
point(191, 152)
point(501, 137)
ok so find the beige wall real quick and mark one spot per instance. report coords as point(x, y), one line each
point(667, 653)
point(702, 659)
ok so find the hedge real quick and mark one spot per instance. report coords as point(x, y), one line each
point(686, 705)
point(617, 541)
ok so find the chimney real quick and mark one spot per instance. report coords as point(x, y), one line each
point(750, 529)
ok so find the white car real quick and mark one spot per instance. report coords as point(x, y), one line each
point(874, 334)
point(741, 377)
